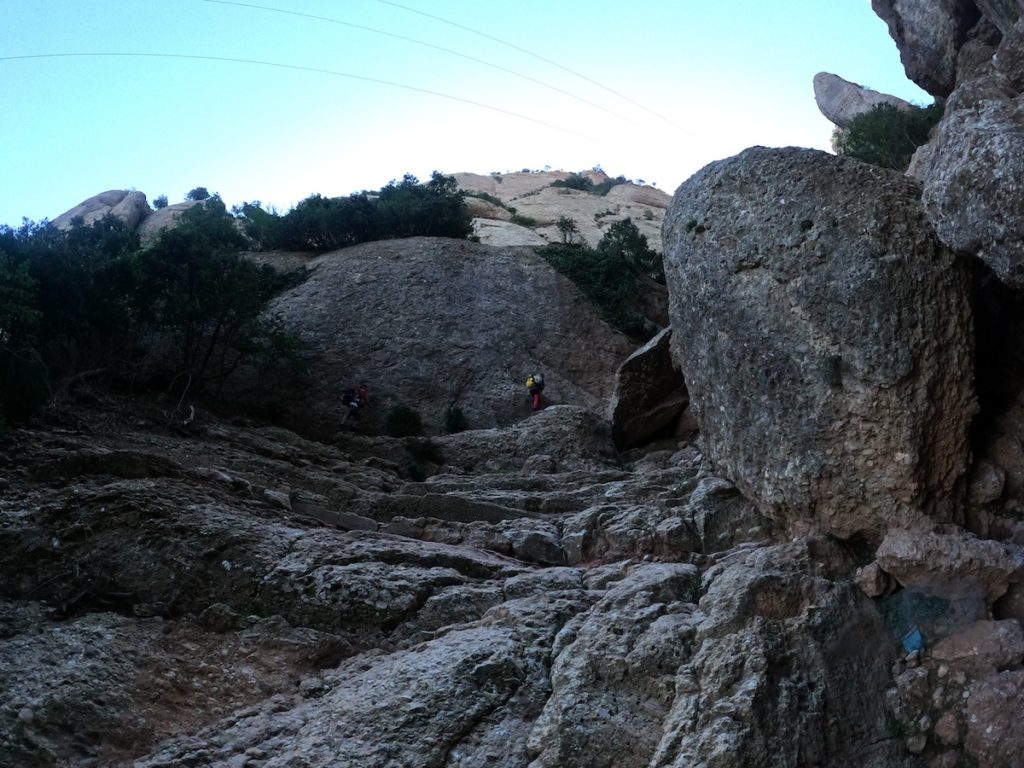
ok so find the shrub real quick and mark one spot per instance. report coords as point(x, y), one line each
point(608, 184)
point(403, 421)
point(888, 136)
point(198, 193)
point(160, 202)
point(523, 221)
point(575, 181)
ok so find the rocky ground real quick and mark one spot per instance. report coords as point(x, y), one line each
point(236, 595)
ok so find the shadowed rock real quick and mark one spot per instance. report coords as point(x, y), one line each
point(841, 101)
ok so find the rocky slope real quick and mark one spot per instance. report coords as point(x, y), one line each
point(829, 573)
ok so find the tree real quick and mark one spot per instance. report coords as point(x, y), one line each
point(435, 209)
point(203, 297)
point(24, 383)
point(568, 230)
point(160, 202)
point(624, 241)
point(199, 193)
point(887, 135)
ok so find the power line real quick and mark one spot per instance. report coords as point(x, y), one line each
point(429, 45)
point(536, 56)
point(301, 68)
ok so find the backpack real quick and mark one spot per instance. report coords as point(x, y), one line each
point(538, 381)
point(349, 397)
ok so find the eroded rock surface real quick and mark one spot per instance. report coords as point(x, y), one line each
point(841, 101)
point(824, 335)
point(431, 323)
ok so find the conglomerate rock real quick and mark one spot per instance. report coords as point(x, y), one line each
point(929, 34)
point(972, 171)
point(841, 101)
point(825, 337)
point(430, 324)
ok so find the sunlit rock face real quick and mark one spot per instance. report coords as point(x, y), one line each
point(825, 337)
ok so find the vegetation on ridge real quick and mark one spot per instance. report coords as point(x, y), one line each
point(614, 276)
point(400, 209)
point(886, 135)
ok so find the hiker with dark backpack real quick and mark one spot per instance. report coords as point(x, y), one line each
point(535, 386)
point(354, 400)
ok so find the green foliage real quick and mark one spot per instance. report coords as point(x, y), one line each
point(523, 221)
point(435, 209)
point(403, 421)
point(624, 240)
point(488, 197)
point(197, 291)
point(24, 385)
point(607, 185)
point(568, 230)
point(455, 420)
point(575, 181)
point(401, 209)
point(613, 275)
point(198, 193)
point(160, 202)
point(888, 136)
point(82, 277)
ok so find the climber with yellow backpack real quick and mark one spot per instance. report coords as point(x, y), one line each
point(535, 386)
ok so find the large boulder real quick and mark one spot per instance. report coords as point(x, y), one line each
point(841, 101)
point(164, 218)
point(431, 323)
point(929, 34)
point(824, 334)
point(128, 206)
point(973, 169)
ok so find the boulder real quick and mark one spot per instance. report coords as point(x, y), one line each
point(128, 206)
point(650, 393)
point(972, 171)
point(840, 100)
point(1002, 13)
point(995, 709)
point(824, 335)
point(929, 34)
point(952, 565)
point(431, 323)
point(989, 645)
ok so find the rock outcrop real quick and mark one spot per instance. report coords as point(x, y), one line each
point(929, 34)
point(650, 394)
point(841, 101)
point(432, 324)
point(128, 206)
point(824, 335)
point(532, 197)
point(972, 170)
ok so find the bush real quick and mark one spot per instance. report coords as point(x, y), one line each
point(198, 193)
point(401, 209)
point(612, 275)
point(197, 291)
point(575, 181)
point(160, 202)
point(402, 421)
point(888, 136)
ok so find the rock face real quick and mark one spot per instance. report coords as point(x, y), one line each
point(929, 34)
point(532, 196)
point(824, 334)
point(650, 394)
point(433, 323)
point(973, 170)
point(164, 218)
point(840, 100)
point(129, 207)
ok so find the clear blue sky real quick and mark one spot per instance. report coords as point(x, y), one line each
point(650, 89)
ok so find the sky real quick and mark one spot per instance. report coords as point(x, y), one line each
point(276, 100)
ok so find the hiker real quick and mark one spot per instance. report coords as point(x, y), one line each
point(535, 386)
point(354, 400)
